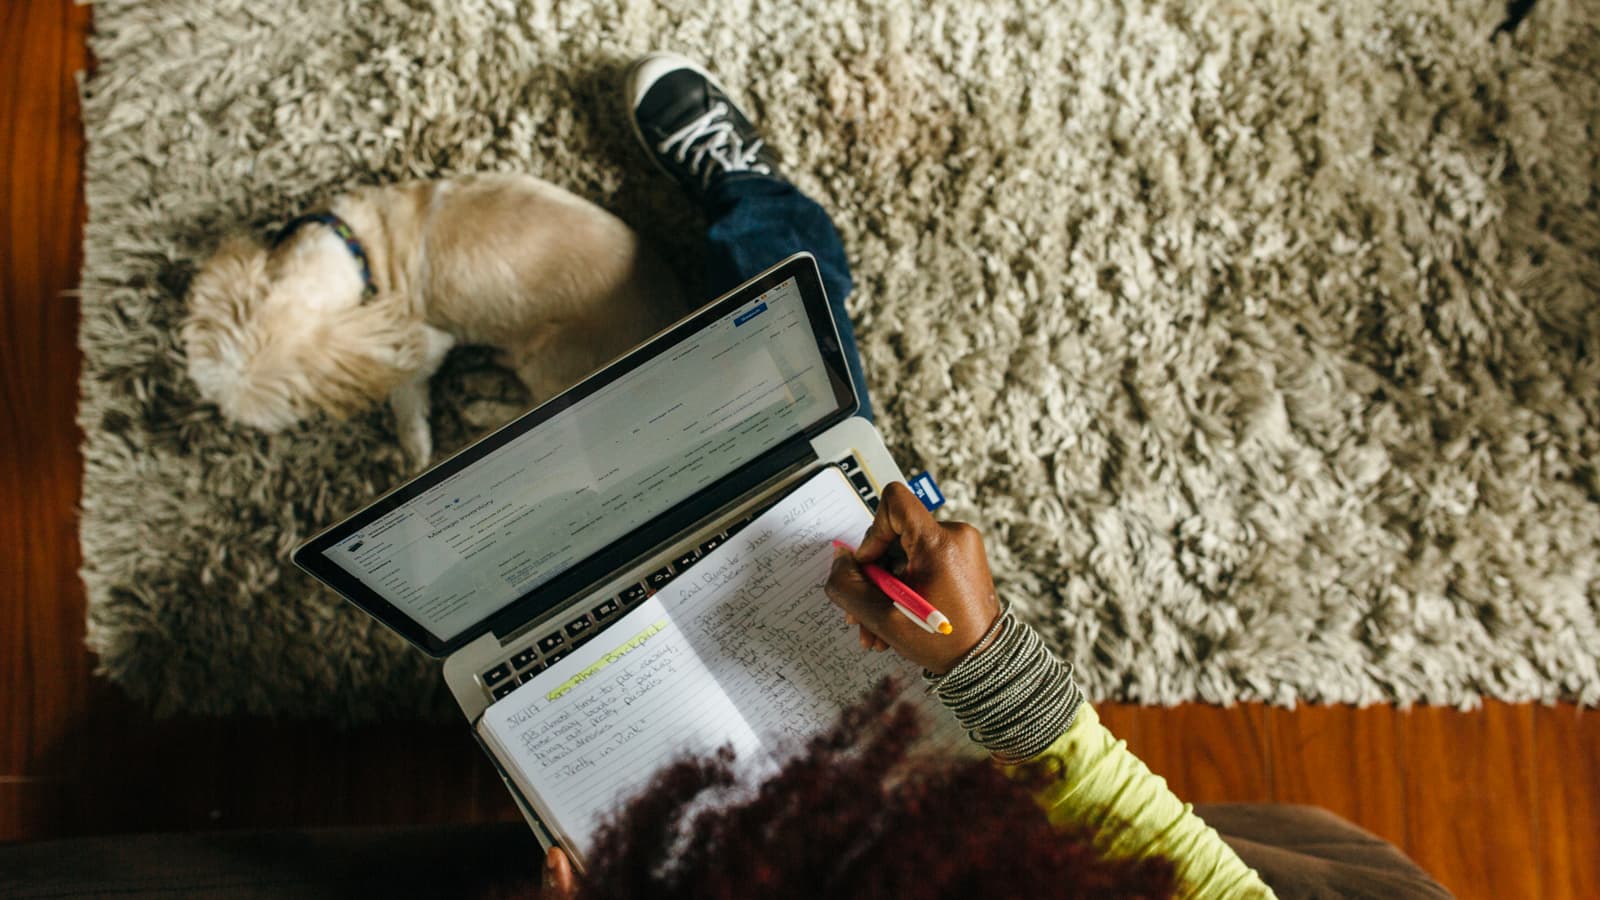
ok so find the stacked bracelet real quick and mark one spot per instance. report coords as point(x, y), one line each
point(1010, 692)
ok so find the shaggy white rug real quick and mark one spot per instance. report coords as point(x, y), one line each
point(1259, 338)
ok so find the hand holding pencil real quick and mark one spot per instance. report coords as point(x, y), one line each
point(942, 563)
point(913, 604)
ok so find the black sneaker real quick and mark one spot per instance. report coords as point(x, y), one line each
point(690, 126)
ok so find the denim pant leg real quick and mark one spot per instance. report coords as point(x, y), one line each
point(757, 221)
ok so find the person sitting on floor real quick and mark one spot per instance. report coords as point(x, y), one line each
point(843, 820)
point(1063, 810)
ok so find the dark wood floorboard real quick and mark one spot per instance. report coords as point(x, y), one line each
point(1499, 803)
point(1469, 785)
point(1566, 777)
point(1322, 752)
point(1207, 753)
point(43, 666)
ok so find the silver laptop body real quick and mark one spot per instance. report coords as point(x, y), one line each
point(535, 538)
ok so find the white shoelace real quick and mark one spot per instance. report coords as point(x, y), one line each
point(712, 141)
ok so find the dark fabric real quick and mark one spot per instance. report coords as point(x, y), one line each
point(432, 861)
point(1308, 853)
point(753, 223)
point(1301, 851)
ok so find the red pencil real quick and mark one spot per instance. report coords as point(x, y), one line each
point(904, 598)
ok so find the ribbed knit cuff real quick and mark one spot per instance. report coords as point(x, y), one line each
point(1014, 696)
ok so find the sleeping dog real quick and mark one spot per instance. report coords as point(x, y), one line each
point(362, 302)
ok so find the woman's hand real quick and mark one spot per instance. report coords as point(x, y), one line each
point(559, 881)
point(945, 563)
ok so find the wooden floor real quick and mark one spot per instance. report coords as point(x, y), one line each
point(1504, 802)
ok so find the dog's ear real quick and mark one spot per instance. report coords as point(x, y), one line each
point(269, 360)
point(363, 353)
point(218, 339)
point(227, 286)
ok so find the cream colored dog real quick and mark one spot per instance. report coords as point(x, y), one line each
point(319, 322)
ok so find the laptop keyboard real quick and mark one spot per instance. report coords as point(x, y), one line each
point(543, 651)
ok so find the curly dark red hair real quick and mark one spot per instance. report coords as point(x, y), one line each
point(828, 825)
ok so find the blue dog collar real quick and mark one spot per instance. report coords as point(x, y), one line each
point(342, 229)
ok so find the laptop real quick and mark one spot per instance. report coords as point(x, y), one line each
point(506, 556)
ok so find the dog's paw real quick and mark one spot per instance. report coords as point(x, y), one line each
point(417, 441)
point(486, 415)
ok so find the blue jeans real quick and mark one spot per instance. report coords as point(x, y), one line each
point(756, 222)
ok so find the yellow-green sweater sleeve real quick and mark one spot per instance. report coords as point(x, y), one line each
point(1104, 789)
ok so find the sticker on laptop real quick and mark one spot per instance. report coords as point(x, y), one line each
point(923, 486)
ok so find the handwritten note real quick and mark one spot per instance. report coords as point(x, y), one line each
point(743, 649)
point(758, 618)
point(595, 727)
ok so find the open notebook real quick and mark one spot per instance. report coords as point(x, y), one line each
point(743, 650)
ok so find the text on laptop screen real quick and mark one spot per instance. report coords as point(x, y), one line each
point(596, 471)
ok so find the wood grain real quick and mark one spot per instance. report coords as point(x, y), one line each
point(1207, 754)
point(1504, 802)
point(1469, 785)
point(1567, 781)
point(44, 667)
point(1342, 759)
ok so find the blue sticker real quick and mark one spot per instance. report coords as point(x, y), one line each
point(926, 491)
point(748, 314)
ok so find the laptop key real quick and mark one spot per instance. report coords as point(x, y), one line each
point(554, 658)
point(659, 578)
point(527, 676)
point(850, 464)
point(578, 626)
point(521, 660)
point(687, 560)
point(505, 689)
point(550, 642)
point(496, 675)
point(633, 594)
point(607, 609)
point(713, 543)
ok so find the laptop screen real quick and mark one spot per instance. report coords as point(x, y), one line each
point(468, 542)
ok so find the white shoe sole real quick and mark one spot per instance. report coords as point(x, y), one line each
point(643, 74)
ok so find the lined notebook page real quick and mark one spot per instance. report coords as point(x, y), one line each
point(591, 731)
point(758, 619)
point(743, 649)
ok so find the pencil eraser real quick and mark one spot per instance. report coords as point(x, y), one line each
point(927, 491)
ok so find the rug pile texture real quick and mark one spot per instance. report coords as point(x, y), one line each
point(1259, 338)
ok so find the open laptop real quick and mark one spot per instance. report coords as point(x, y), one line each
point(524, 545)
